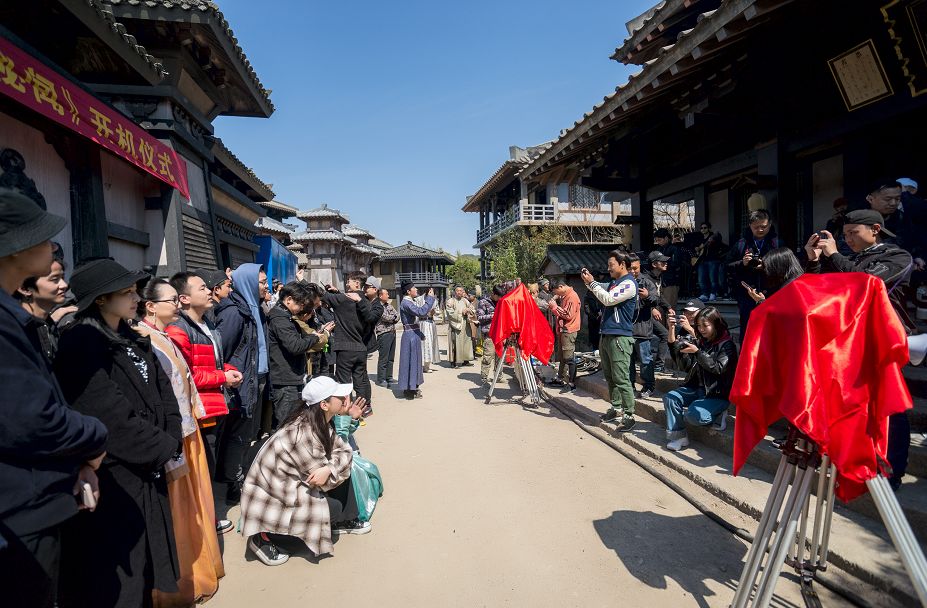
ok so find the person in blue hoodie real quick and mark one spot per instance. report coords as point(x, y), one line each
point(619, 298)
point(241, 324)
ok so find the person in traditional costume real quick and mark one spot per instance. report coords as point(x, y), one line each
point(410, 350)
point(431, 350)
point(189, 487)
point(460, 342)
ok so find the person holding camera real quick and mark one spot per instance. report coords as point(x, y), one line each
point(703, 398)
point(746, 258)
point(865, 232)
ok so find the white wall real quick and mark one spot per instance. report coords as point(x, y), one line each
point(46, 168)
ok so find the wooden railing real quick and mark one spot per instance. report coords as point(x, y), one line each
point(420, 278)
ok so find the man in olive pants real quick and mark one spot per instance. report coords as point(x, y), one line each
point(619, 297)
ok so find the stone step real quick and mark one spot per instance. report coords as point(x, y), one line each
point(912, 496)
point(859, 546)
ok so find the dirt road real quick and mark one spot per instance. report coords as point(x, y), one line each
point(494, 505)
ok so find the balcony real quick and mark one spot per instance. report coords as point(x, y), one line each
point(422, 278)
point(562, 213)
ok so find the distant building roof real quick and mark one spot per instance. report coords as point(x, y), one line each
point(519, 159)
point(362, 248)
point(322, 212)
point(410, 251)
point(277, 205)
point(242, 171)
point(379, 244)
point(269, 224)
point(570, 258)
point(352, 230)
point(322, 235)
point(294, 247)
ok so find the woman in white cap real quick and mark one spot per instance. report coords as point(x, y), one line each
point(299, 484)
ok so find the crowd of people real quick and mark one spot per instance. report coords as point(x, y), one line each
point(134, 402)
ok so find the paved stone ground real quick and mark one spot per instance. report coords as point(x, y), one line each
point(494, 505)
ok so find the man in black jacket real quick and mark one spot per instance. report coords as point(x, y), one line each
point(351, 310)
point(864, 232)
point(287, 347)
point(675, 265)
point(746, 260)
point(47, 450)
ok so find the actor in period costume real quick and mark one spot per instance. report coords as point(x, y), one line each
point(410, 350)
point(431, 350)
point(459, 340)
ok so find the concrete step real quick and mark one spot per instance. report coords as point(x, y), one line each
point(912, 496)
point(860, 546)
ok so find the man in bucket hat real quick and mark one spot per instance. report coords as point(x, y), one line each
point(56, 449)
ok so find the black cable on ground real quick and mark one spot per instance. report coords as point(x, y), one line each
point(695, 502)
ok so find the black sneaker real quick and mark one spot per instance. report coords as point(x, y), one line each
point(383, 383)
point(354, 526)
point(368, 411)
point(627, 423)
point(266, 551)
point(568, 388)
point(556, 382)
point(610, 416)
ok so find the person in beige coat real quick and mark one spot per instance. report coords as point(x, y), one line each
point(299, 484)
point(459, 338)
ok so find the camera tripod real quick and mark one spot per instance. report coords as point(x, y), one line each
point(787, 528)
point(523, 371)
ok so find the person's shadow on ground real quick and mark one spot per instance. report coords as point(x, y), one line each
point(636, 538)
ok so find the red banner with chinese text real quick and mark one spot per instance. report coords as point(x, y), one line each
point(33, 84)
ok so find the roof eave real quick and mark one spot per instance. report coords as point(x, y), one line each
point(241, 171)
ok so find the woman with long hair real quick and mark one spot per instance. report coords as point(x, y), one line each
point(781, 268)
point(299, 484)
point(119, 554)
point(189, 487)
point(711, 360)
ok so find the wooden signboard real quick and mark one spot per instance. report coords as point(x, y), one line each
point(906, 21)
point(860, 76)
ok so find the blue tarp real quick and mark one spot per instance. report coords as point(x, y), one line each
point(279, 262)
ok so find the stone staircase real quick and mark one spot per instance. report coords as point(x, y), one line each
point(860, 545)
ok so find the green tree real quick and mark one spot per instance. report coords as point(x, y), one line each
point(464, 271)
point(520, 252)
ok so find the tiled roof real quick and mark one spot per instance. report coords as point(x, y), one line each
point(279, 206)
point(294, 247)
point(204, 6)
point(571, 257)
point(503, 174)
point(362, 248)
point(244, 170)
point(410, 251)
point(323, 211)
point(269, 224)
point(640, 84)
point(105, 13)
point(661, 22)
point(322, 235)
point(352, 230)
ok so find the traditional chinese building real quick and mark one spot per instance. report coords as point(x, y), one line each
point(106, 109)
point(723, 107)
point(325, 245)
point(504, 202)
point(424, 267)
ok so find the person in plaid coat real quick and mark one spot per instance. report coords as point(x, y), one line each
point(299, 484)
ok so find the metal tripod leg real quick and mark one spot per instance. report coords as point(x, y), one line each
point(902, 536)
point(798, 498)
point(763, 533)
point(500, 363)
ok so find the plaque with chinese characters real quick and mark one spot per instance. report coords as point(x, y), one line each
point(860, 76)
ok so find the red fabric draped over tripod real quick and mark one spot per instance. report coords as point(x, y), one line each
point(517, 312)
point(826, 352)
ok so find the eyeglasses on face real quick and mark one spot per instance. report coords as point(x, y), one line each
point(174, 300)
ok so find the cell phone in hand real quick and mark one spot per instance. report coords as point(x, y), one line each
point(86, 496)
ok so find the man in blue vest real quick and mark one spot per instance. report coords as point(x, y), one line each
point(619, 299)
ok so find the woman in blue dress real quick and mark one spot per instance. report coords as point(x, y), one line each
point(410, 351)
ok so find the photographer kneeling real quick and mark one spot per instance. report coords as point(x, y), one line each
point(299, 484)
point(711, 360)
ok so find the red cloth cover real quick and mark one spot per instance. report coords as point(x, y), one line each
point(826, 352)
point(517, 312)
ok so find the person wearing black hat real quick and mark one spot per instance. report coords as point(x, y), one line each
point(125, 549)
point(47, 450)
point(219, 285)
point(865, 231)
point(676, 262)
point(655, 270)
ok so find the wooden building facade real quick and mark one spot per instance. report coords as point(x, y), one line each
point(743, 97)
point(152, 76)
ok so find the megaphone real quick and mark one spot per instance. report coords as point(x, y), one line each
point(917, 347)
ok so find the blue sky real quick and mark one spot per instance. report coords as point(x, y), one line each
point(395, 112)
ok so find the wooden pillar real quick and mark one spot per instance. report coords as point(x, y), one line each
point(88, 210)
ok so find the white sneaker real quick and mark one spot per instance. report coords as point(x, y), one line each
point(678, 444)
point(722, 424)
point(712, 298)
